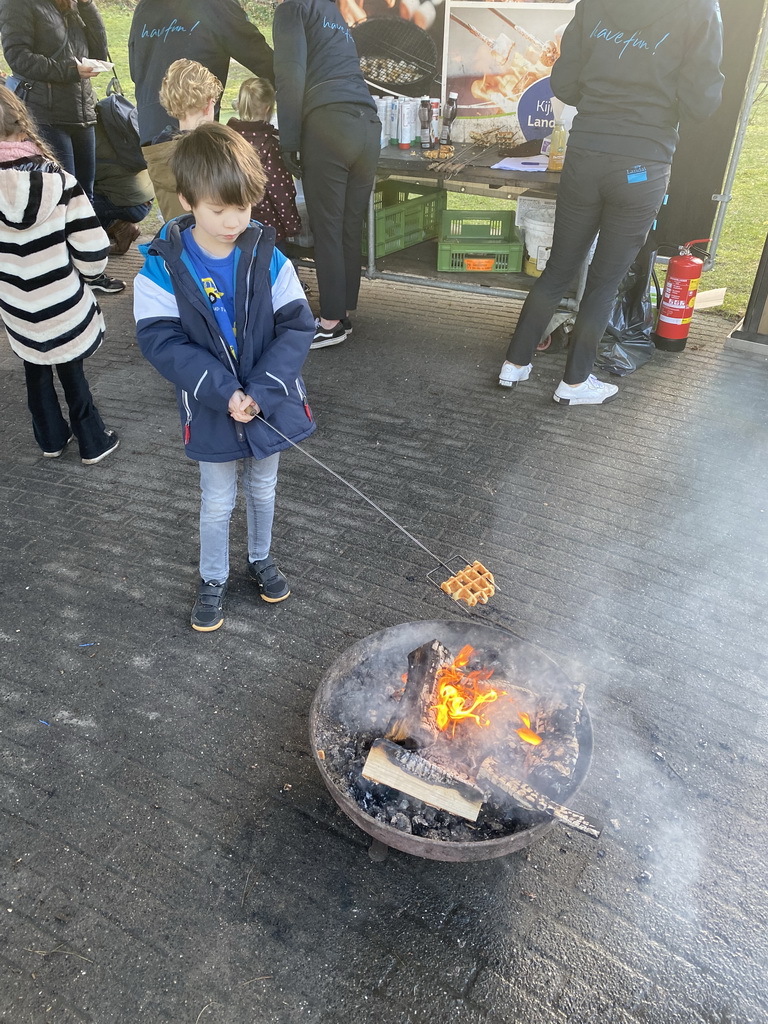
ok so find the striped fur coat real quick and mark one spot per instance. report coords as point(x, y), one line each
point(50, 241)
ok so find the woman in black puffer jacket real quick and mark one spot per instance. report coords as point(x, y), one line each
point(44, 42)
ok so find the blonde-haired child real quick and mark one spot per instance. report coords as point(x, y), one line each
point(255, 106)
point(189, 93)
point(51, 245)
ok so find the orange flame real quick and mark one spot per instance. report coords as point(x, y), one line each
point(526, 733)
point(459, 693)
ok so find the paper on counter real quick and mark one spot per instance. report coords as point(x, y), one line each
point(522, 163)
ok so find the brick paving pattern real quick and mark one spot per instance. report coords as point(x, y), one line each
point(169, 852)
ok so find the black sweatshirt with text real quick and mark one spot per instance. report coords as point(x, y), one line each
point(635, 68)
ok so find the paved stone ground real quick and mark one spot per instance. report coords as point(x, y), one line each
point(169, 852)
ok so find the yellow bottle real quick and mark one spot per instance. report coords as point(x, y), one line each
point(557, 147)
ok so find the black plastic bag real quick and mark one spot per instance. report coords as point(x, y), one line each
point(626, 344)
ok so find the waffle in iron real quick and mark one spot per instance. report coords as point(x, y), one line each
point(474, 585)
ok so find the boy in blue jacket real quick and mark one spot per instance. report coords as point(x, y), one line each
point(221, 314)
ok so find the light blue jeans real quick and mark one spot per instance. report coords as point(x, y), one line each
point(218, 484)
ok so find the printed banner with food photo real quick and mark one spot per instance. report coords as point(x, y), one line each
point(399, 43)
point(498, 58)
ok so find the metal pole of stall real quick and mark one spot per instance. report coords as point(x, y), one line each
point(751, 335)
point(738, 143)
point(370, 271)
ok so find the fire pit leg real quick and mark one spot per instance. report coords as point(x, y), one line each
point(378, 851)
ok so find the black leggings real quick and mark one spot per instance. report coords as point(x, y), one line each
point(618, 197)
point(340, 146)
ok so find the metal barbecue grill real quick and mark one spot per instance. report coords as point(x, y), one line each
point(396, 55)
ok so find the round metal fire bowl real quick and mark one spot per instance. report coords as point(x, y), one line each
point(354, 697)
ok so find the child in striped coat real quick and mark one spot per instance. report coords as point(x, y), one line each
point(51, 244)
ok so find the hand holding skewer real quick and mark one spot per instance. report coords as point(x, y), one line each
point(242, 407)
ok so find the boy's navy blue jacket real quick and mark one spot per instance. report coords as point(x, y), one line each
point(634, 68)
point(178, 333)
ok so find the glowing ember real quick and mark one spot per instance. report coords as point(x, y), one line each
point(526, 733)
point(461, 693)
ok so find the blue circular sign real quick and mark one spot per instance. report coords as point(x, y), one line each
point(534, 111)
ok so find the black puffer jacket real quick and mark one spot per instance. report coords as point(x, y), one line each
point(42, 46)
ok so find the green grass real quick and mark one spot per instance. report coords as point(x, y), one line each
point(746, 223)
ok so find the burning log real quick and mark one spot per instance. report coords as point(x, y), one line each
point(550, 765)
point(493, 773)
point(414, 723)
point(539, 744)
point(391, 765)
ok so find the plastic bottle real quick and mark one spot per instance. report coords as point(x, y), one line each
point(416, 141)
point(425, 120)
point(394, 119)
point(449, 115)
point(405, 125)
point(381, 110)
point(434, 128)
point(557, 147)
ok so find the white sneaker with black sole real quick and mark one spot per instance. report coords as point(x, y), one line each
point(327, 336)
point(510, 374)
point(591, 392)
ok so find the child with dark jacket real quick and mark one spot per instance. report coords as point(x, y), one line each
point(255, 106)
point(221, 314)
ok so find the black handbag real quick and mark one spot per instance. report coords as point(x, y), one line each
point(18, 86)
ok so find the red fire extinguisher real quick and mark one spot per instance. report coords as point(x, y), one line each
point(680, 289)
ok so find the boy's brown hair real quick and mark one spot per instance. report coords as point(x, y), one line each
point(256, 100)
point(188, 87)
point(212, 163)
point(15, 119)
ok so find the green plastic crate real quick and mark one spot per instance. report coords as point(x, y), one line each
point(496, 258)
point(479, 241)
point(477, 226)
point(406, 214)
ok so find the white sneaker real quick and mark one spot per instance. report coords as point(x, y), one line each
point(511, 374)
point(591, 392)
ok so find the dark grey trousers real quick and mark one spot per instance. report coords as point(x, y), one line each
point(617, 196)
point(340, 146)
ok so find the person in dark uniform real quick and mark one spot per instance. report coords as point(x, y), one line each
point(633, 71)
point(330, 135)
point(208, 31)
